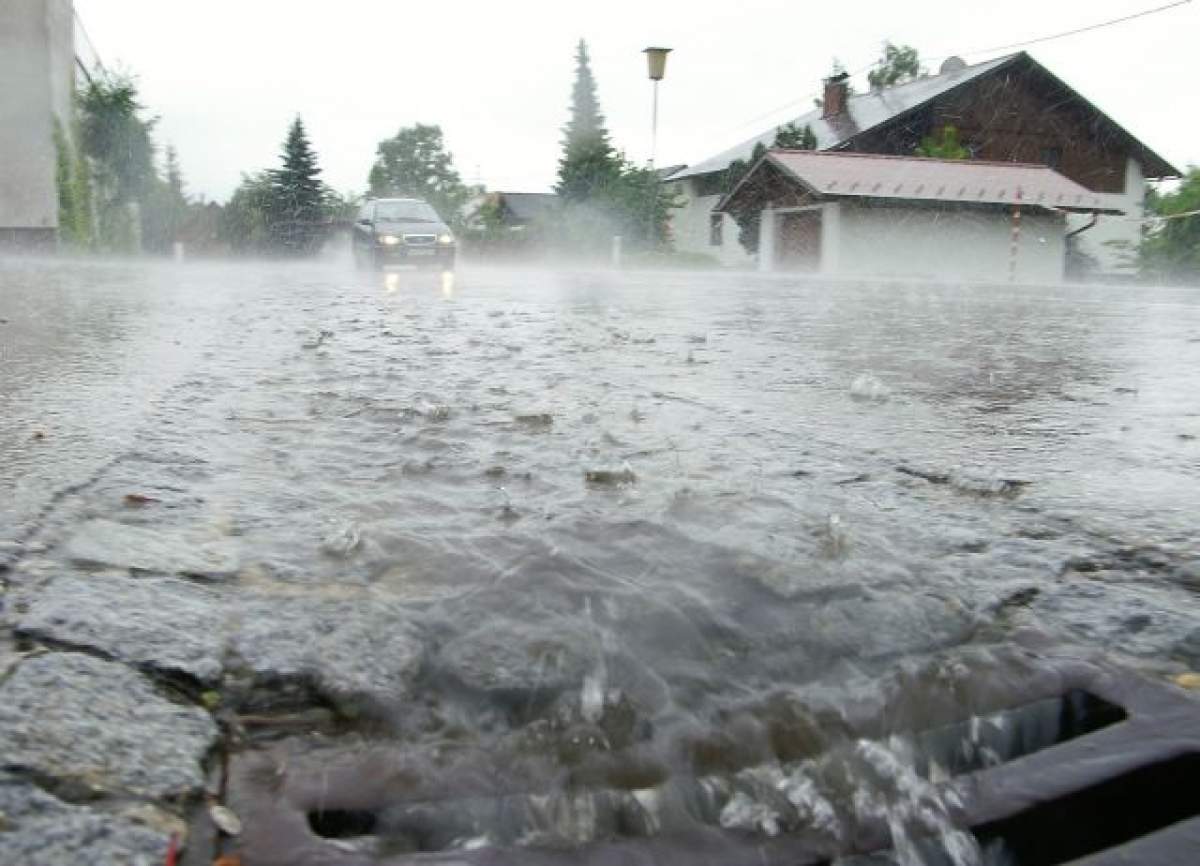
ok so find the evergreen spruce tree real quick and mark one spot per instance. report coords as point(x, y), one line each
point(298, 195)
point(588, 165)
point(175, 175)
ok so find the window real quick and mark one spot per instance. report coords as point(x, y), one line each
point(716, 226)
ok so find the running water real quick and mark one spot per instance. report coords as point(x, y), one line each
point(602, 547)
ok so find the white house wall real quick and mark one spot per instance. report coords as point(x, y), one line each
point(37, 60)
point(945, 245)
point(1113, 241)
point(691, 226)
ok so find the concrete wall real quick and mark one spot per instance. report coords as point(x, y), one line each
point(945, 245)
point(37, 60)
point(690, 225)
point(1113, 241)
point(948, 244)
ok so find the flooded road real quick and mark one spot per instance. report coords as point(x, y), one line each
point(536, 524)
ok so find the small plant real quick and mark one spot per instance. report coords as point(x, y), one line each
point(943, 144)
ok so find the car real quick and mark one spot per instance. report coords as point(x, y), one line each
point(402, 231)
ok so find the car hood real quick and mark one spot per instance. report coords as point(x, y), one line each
point(388, 227)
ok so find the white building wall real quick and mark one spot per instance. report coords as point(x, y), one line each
point(37, 58)
point(768, 234)
point(691, 226)
point(1114, 240)
point(947, 245)
point(60, 30)
point(831, 237)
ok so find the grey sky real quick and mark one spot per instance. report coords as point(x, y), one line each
point(226, 77)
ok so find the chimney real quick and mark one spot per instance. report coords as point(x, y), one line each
point(836, 89)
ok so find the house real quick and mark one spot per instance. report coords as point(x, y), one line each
point(1011, 109)
point(513, 210)
point(869, 215)
point(37, 66)
point(501, 225)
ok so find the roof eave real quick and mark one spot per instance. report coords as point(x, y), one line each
point(1107, 211)
point(1164, 169)
point(769, 156)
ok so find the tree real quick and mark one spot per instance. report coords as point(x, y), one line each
point(118, 141)
point(601, 193)
point(297, 206)
point(174, 174)
point(165, 207)
point(281, 210)
point(897, 65)
point(244, 223)
point(74, 192)
point(115, 135)
point(589, 164)
point(1171, 248)
point(415, 163)
point(795, 138)
point(943, 144)
point(642, 204)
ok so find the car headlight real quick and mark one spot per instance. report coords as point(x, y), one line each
point(389, 240)
point(445, 238)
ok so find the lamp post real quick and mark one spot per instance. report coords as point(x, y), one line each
point(656, 60)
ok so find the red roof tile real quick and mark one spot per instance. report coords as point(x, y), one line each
point(833, 174)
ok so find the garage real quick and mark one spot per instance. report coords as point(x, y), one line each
point(866, 215)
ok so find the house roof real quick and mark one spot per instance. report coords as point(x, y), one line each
point(913, 178)
point(866, 111)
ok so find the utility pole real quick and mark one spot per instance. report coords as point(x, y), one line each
point(656, 62)
point(656, 59)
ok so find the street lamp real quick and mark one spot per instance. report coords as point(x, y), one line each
point(656, 60)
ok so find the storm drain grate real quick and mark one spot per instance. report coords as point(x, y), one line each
point(990, 740)
point(1108, 760)
point(1100, 817)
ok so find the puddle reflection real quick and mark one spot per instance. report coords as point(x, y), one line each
point(394, 281)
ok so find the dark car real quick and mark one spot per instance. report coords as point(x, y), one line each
point(402, 231)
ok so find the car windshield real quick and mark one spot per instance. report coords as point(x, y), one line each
point(405, 211)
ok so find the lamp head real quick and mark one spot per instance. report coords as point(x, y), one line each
point(656, 59)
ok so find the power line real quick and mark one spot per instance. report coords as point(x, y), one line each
point(1036, 41)
point(1078, 30)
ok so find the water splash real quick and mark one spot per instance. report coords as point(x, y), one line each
point(869, 388)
